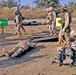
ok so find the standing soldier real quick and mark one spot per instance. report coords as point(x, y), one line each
point(19, 20)
point(52, 26)
point(65, 28)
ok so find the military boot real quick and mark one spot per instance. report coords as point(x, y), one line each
point(68, 60)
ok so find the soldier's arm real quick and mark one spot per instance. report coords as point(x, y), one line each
point(17, 19)
point(54, 17)
point(66, 21)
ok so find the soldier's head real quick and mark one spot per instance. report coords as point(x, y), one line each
point(63, 8)
point(51, 9)
point(17, 11)
point(47, 10)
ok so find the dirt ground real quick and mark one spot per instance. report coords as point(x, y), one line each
point(35, 62)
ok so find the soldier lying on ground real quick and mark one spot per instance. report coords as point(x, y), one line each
point(64, 55)
point(21, 47)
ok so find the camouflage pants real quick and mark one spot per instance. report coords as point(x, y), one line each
point(60, 35)
point(52, 28)
point(67, 37)
point(18, 50)
point(19, 26)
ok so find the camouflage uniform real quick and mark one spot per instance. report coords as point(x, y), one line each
point(21, 47)
point(61, 33)
point(19, 25)
point(64, 55)
point(65, 28)
point(52, 26)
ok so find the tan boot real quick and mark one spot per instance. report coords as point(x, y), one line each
point(51, 34)
point(19, 36)
point(55, 34)
point(68, 60)
point(25, 33)
point(15, 33)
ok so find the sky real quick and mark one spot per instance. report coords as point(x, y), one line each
point(30, 2)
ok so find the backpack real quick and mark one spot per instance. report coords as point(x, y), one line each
point(19, 18)
point(70, 17)
point(57, 13)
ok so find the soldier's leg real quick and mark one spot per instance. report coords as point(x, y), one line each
point(11, 52)
point(50, 29)
point(23, 29)
point(20, 50)
point(15, 28)
point(18, 29)
point(14, 50)
point(67, 37)
point(60, 38)
point(54, 28)
point(17, 52)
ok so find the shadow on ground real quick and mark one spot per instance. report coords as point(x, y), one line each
point(6, 34)
point(25, 58)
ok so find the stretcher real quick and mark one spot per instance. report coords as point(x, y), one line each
point(44, 39)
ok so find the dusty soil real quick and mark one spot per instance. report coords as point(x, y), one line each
point(35, 62)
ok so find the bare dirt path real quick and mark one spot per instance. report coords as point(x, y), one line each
point(35, 62)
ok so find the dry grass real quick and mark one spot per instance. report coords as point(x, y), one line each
point(29, 13)
point(7, 13)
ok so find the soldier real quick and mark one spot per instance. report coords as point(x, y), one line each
point(64, 55)
point(52, 26)
point(19, 25)
point(21, 47)
point(65, 28)
point(69, 55)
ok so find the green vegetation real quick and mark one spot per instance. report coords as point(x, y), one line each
point(7, 10)
point(46, 3)
point(8, 3)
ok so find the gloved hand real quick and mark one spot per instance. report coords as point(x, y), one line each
point(63, 30)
